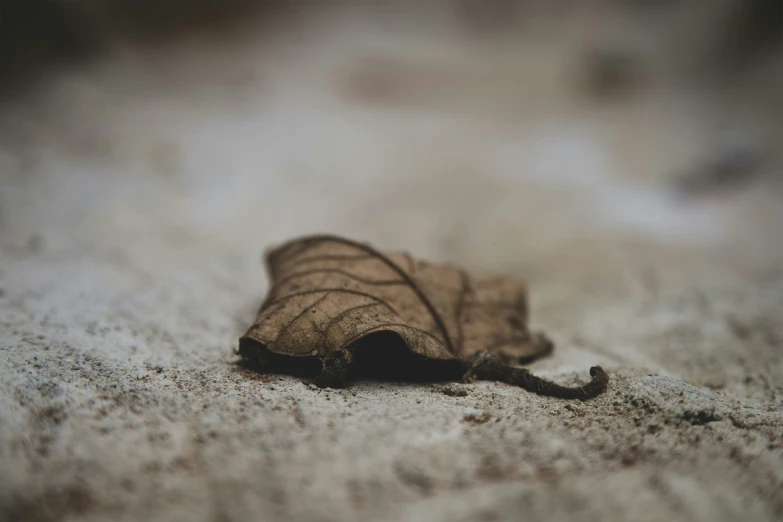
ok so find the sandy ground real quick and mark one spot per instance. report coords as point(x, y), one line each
point(139, 191)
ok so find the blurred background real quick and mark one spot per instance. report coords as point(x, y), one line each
point(496, 133)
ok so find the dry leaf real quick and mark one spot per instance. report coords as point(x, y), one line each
point(338, 307)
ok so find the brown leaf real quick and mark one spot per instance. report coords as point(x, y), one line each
point(335, 303)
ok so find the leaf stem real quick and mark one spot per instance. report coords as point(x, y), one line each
point(490, 368)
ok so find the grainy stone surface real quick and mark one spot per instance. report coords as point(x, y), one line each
point(133, 213)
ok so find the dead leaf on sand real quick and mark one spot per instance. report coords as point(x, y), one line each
point(338, 309)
